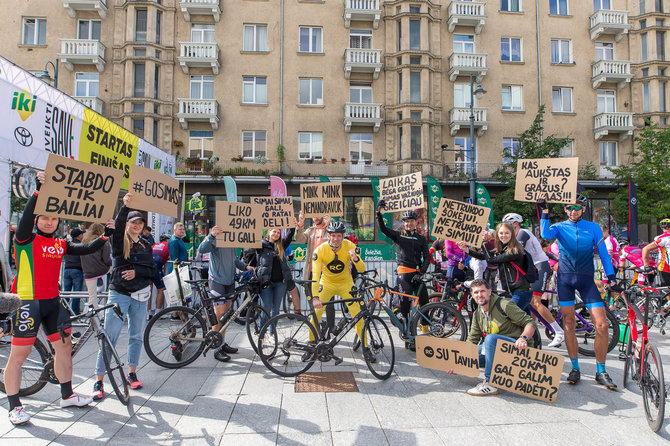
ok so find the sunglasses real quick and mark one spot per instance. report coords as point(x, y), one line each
point(574, 207)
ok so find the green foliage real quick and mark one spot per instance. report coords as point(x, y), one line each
point(588, 171)
point(649, 167)
point(280, 153)
point(244, 171)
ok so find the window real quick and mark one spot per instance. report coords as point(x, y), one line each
point(156, 78)
point(34, 31)
point(463, 154)
point(511, 97)
point(138, 80)
point(360, 146)
point(661, 96)
point(661, 71)
point(643, 24)
point(643, 42)
point(660, 45)
point(560, 51)
point(606, 101)
point(400, 143)
point(660, 22)
point(558, 7)
point(310, 40)
point(415, 60)
point(510, 5)
point(659, 5)
point(415, 142)
point(415, 87)
point(138, 107)
point(254, 90)
point(415, 34)
point(399, 87)
point(202, 33)
point(511, 148)
point(399, 35)
point(601, 4)
point(159, 15)
point(202, 87)
point(414, 9)
point(310, 145)
point(88, 29)
point(200, 144)
point(140, 52)
point(464, 43)
point(253, 144)
point(360, 95)
point(567, 151)
point(608, 153)
point(643, 7)
point(359, 213)
point(138, 127)
point(255, 38)
point(604, 51)
point(562, 99)
point(141, 25)
point(462, 95)
point(360, 38)
point(311, 91)
point(645, 98)
point(415, 115)
point(510, 49)
point(645, 72)
point(86, 84)
point(154, 137)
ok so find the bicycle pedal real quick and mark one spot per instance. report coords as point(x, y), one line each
point(338, 360)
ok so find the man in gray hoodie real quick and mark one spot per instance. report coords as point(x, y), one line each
point(222, 264)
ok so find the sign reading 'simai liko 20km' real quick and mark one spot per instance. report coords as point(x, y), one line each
point(458, 221)
point(403, 193)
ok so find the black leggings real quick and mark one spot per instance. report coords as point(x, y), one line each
point(406, 286)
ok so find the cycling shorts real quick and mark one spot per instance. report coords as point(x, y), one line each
point(567, 284)
point(217, 289)
point(157, 279)
point(544, 273)
point(48, 312)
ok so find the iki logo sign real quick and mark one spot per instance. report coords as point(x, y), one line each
point(24, 103)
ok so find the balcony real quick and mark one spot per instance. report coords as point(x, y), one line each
point(198, 110)
point(611, 71)
point(82, 52)
point(465, 64)
point(73, 6)
point(609, 22)
point(363, 115)
point(339, 168)
point(466, 13)
point(459, 118)
point(200, 7)
point(91, 102)
point(362, 11)
point(362, 61)
point(608, 123)
point(461, 170)
point(199, 55)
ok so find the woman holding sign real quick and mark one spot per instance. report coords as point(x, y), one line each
point(273, 268)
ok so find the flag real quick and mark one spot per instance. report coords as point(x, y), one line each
point(277, 187)
point(231, 188)
point(388, 219)
point(632, 214)
point(434, 197)
point(484, 199)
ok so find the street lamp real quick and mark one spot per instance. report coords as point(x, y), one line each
point(479, 92)
point(44, 75)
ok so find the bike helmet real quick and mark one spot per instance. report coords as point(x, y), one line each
point(665, 223)
point(581, 200)
point(407, 215)
point(512, 217)
point(335, 226)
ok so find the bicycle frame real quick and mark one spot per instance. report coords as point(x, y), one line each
point(633, 315)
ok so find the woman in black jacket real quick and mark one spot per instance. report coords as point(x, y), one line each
point(95, 266)
point(273, 268)
point(132, 271)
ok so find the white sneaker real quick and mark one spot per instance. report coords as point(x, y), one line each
point(18, 416)
point(557, 341)
point(76, 400)
point(483, 389)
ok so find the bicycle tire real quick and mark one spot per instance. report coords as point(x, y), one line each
point(629, 366)
point(653, 388)
point(242, 318)
point(444, 321)
point(584, 336)
point(283, 337)
point(256, 314)
point(165, 341)
point(537, 340)
point(378, 350)
point(31, 370)
point(115, 371)
point(287, 303)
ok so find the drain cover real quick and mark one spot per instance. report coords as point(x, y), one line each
point(326, 382)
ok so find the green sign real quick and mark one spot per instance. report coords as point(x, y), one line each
point(195, 204)
point(376, 252)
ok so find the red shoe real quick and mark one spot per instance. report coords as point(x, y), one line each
point(135, 383)
point(98, 391)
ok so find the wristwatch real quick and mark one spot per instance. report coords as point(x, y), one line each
point(524, 337)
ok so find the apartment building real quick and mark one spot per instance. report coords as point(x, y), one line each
point(354, 88)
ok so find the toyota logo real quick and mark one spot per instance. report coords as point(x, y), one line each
point(23, 136)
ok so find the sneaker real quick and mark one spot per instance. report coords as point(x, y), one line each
point(75, 400)
point(228, 349)
point(369, 357)
point(574, 376)
point(604, 379)
point(18, 416)
point(135, 383)
point(98, 391)
point(221, 355)
point(483, 389)
point(557, 341)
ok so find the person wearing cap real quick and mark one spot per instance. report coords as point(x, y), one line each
point(176, 245)
point(73, 276)
point(132, 272)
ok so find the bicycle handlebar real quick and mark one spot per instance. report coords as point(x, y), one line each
point(89, 314)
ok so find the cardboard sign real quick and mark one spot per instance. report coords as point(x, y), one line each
point(557, 177)
point(403, 193)
point(78, 191)
point(277, 211)
point(155, 192)
point(529, 372)
point(240, 223)
point(322, 198)
point(459, 221)
point(446, 354)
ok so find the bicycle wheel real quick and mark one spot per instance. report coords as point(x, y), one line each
point(242, 318)
point(31, 370)
point(115, 371)
point(256, 317)
point(439, 319)
point(174, 343)
point(629, 368)
point(537, 340)
point(378, 350)
point(284, 344)
point(586, 331)
point(653, 388)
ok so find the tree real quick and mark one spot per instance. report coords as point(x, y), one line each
point(649, 167)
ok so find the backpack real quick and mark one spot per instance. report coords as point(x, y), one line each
point(529, 271)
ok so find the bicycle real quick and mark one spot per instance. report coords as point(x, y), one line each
point(287, 302)
point(174, 343)
point(643, 362)
point(38, 369)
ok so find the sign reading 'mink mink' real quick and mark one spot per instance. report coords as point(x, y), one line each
point(78, 190)
point(321, 198)
point(403, 193)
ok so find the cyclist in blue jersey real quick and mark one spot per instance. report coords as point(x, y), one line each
point(576, 240)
